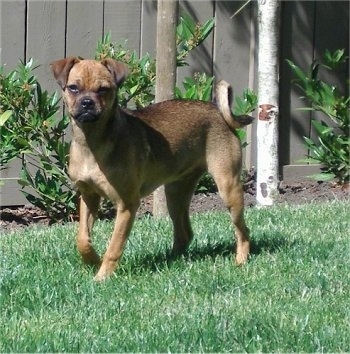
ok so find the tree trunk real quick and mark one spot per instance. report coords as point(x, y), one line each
point(165, 73)
point(268, 92)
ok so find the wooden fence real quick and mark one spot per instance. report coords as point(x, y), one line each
point(52, 29)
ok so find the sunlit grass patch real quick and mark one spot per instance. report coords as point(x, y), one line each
point(292, 295)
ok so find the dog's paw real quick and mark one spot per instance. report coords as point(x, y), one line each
point(241, 259)
point(242, 253)
point(106, 270)
point(100, 278)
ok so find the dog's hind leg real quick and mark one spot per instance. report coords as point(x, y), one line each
point(231, 191)
point(178, 196)
point(89, 204)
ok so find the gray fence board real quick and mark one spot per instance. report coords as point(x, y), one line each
point(302, 55)
point(148, 27)
point(232, 43)
point(123, 20)
point(12, 31)
point(84, 27)
point(10, 193)
point(45, 37)
point(325, 19)
point(200, 60)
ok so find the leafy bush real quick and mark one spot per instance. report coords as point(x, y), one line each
point(189, 35)
point(332, 147)
point(199, 87)
point(29, 126)
point(17, 90)
point(138, 89)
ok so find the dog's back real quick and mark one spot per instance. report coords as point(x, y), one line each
point(183, 136)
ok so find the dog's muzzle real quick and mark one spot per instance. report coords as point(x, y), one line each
point(87, 111)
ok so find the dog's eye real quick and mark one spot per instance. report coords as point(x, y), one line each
point(73, 89)
point(103, 90)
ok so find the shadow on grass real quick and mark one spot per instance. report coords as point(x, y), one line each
point(155, 262)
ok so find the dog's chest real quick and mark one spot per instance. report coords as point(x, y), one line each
point(88, 175)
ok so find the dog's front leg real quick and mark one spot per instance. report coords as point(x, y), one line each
point(123, 225)
point(89, 204)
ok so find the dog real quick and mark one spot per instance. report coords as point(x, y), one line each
point(124, 155)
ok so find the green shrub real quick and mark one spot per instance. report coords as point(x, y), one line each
point(332, 147)
point(138, 89)
point(189, 35)
point(22, 105)
point(30, 127)
point(199, 87)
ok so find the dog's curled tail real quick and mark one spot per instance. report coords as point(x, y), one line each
point(223, 98)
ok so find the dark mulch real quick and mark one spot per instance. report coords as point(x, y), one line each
point(298, 192)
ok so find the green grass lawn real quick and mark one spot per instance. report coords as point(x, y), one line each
point(292, 296)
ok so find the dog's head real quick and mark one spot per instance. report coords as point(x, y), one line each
point(89, 86)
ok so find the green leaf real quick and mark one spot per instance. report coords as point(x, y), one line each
point(5, 116)
point(321, 128)
point(309, 142)
point(314, 71)
point(178, 93)
point(300, 74)
point(207, 28)
point(333, 60)
point(188, 26)
point(25, 178)
point(134, 89)
point(241, 133)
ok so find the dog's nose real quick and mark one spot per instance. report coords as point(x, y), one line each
point(87, 103)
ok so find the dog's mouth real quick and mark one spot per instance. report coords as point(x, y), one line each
point(86, 117)
point(86, 111)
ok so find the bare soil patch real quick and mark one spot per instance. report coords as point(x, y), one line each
point(297, 192)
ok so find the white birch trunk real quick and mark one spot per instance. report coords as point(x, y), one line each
point(268, 93)
point(165, 73)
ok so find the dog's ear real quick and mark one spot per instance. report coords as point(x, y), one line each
point(61, 69)
point(117, 68)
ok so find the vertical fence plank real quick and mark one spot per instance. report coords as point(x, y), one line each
point(12, 32)
point(84, 27)
point(297, 45)
point(232, 44)
point(148, 27)
point(45, 37)
point(123, 20)
point(201, 59)
point(338, 38)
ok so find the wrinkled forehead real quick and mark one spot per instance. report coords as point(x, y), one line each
point(90, 73)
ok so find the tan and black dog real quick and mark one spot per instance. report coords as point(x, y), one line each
point(123, 155)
